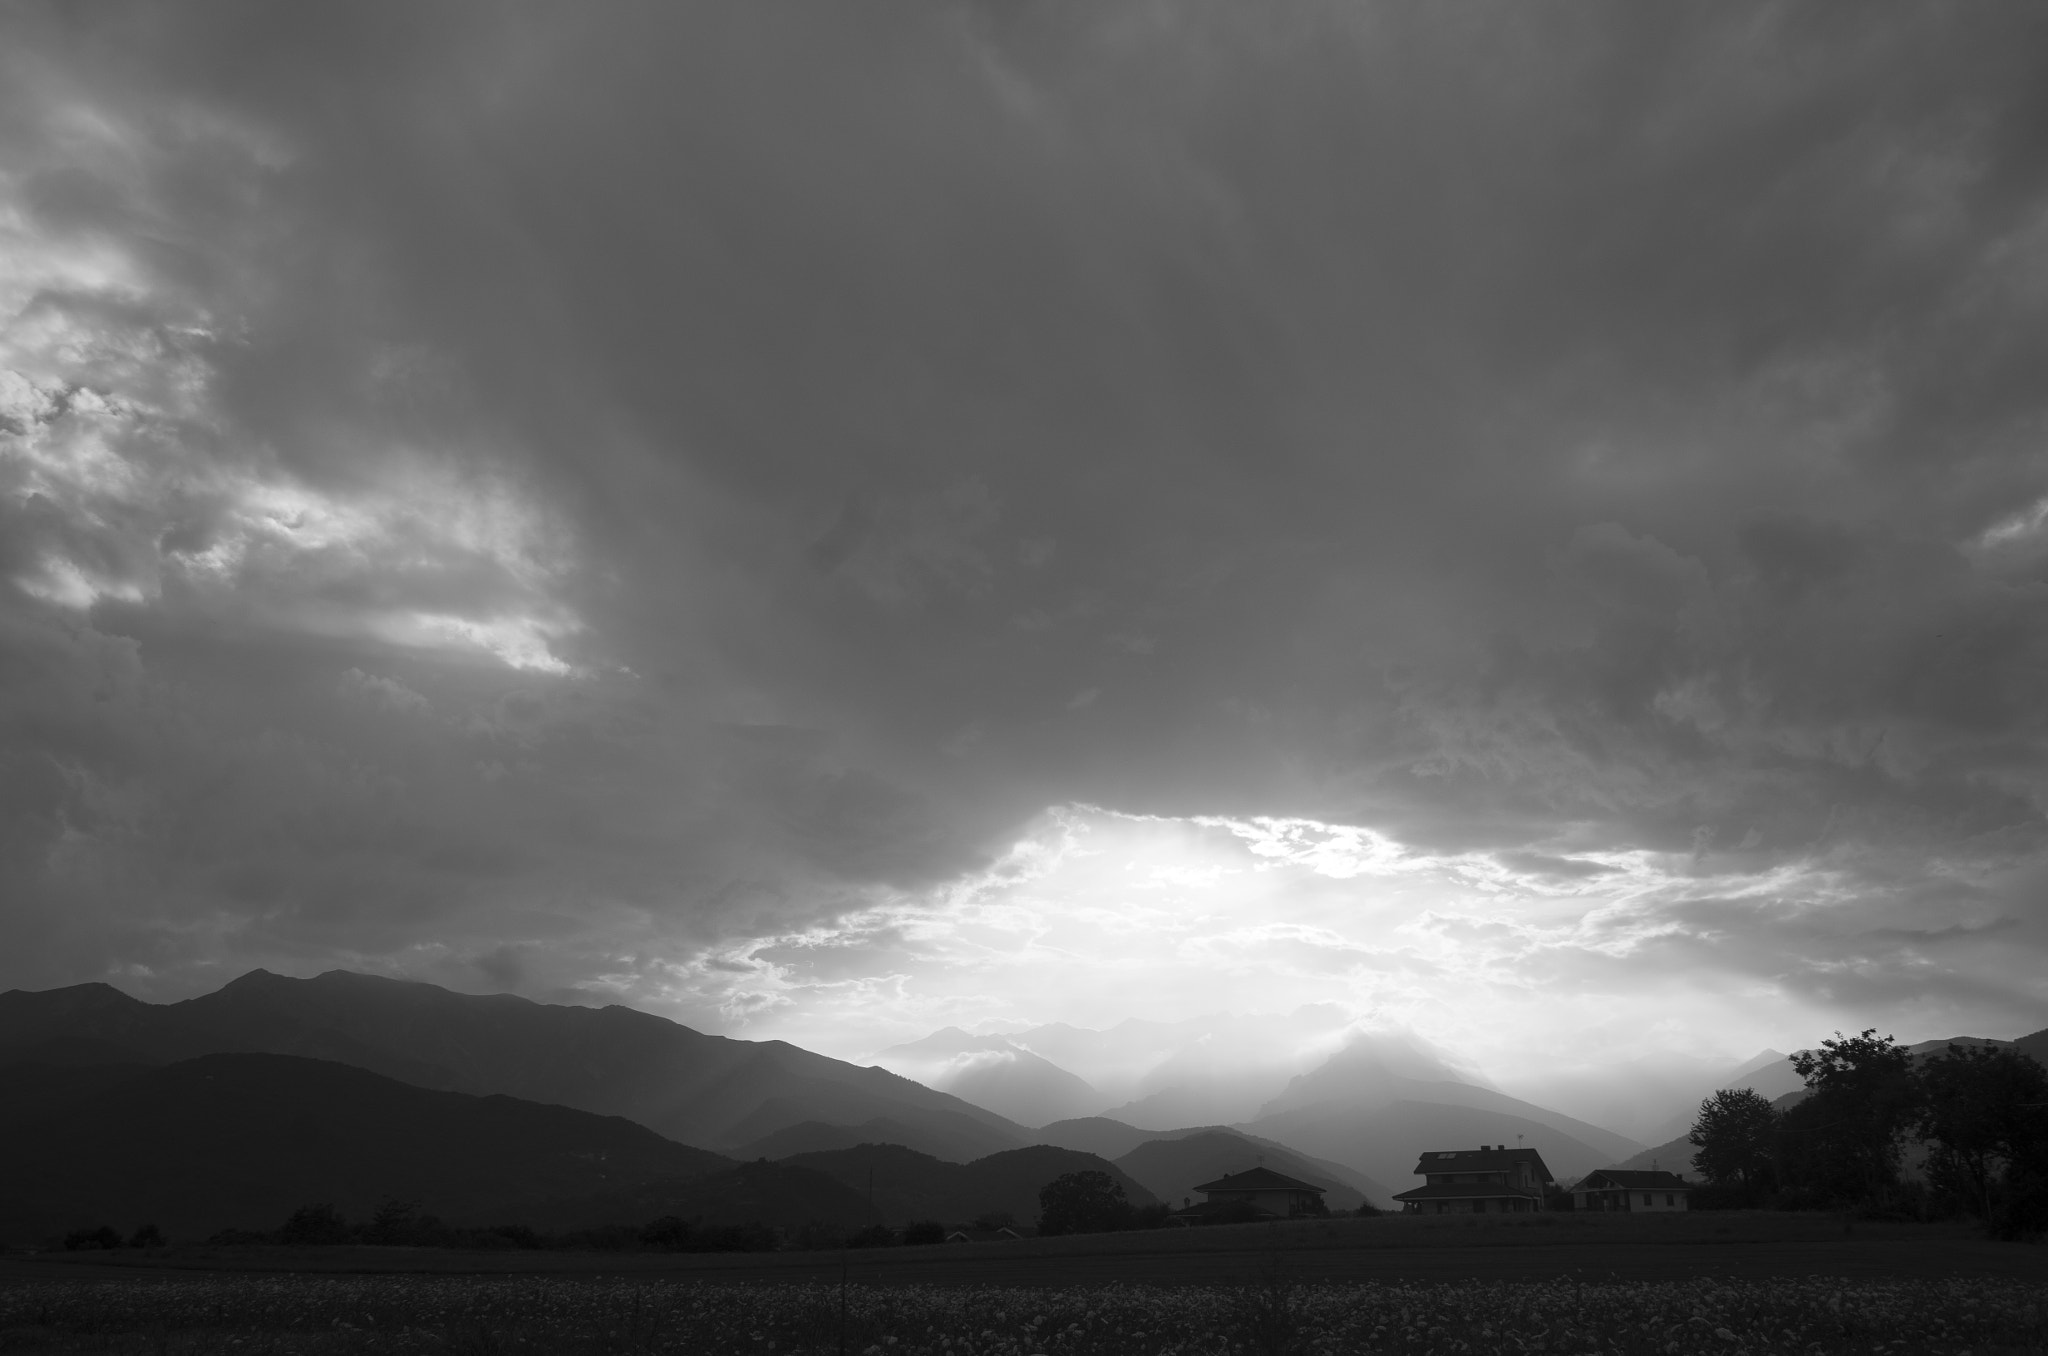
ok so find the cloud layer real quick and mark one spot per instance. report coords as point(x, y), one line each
point(568, 501)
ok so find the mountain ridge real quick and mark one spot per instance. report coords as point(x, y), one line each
point(685, 1084)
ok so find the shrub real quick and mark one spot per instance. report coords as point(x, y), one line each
point(670, 1233)
point(874, 1236)
point(148, 1236)
point(88, 1240)
point(920, 1232)
point(314, 1224)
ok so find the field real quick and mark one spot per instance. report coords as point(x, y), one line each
point(1726, 1284)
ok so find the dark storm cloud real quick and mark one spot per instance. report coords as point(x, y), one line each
point(1542, 432)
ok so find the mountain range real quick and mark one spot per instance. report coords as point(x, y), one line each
point(701, 1089)
point(232, 1108)
point(241, 1140)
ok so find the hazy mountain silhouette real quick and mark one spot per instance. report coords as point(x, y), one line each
point(995, 1073)
point(1384, 1141)
point(1202, 1099)
point(1100, 1135)
point(1768, 1073)
point(908, 1185)
point(698, 1088)
point(1116, 1141)
point(1374, 1107)
point(1638, 1097)
point(956, 1140)
point(240, 1140)
point(1201, 1071)
point(1171, 1167)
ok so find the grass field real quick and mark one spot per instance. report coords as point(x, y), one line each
point(1724, 1283)
point(1753, 1244)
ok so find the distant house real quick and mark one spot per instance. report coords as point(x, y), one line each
point(1491, 1179)
point(970, 1235)
point(1259, 1190)
point(1631, 1189)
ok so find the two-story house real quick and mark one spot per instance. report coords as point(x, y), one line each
point(1489, 1179)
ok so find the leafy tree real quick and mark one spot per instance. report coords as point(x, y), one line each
point(395, 1222)
point(874, 1236)
point(1843, 1141)
point(1735, 1137)
point(995, 1219)
point(1984, 1115)
point(923, 1231)
point(1088, 1202)
point(87, 1240)
point(148, 1236)
point(670, 1233)
point(314, 1224)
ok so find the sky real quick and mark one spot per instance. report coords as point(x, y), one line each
point(1526, 523)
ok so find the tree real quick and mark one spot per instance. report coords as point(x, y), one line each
point(1735, 1136)
point(1843, 1141)
point(1089, 1202)
point(874, 1236)
point(920, 1232)
point(396, 1222)
point(314, 1224)
point(670, 1233)
point(1984, 1114)
point(92, 1239)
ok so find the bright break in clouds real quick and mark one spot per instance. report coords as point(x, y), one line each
point(1526, 524)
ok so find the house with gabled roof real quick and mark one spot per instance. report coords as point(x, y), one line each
point(1491, 1179)
point(1260, 1190)
point(1632, 1189)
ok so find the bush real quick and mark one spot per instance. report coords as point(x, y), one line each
point(874, 1236)
point(148, 1236)
point(314, 1224)
point(91, 1240)
point(1089, 1202)
point(924, 1231)
point(670, 1233)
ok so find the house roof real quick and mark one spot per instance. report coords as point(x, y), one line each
point(1625, 1178)
point(1485, 1158)
point(1463, 1191)
point(1259, 1179)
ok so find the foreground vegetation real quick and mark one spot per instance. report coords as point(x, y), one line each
point(1975, 1118)
point(482, 1315)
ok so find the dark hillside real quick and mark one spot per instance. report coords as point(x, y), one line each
point(908, 1185)
point(697, 1088)
point(242, 1140)
point(1172, 1167)
point(941, 1134)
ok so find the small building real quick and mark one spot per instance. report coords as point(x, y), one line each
point(1491, 1179)
point(1264, 1190)
point(969, 1234)
point(1633, 1189)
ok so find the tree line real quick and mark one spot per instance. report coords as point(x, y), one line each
point(1960, 1132)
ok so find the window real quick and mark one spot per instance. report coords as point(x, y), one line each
point(1670, 1199)
point(1646, 1198)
